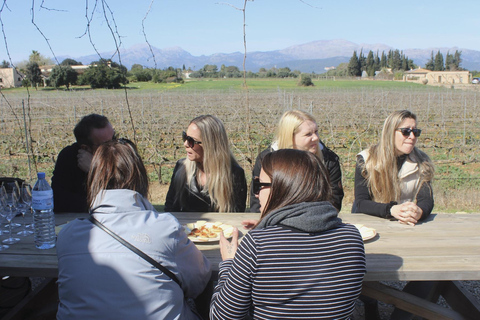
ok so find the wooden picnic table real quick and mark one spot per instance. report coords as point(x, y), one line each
point(442, 250)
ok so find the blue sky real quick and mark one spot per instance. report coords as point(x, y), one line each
point(204, 27)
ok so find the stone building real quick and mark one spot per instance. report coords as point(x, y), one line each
point(10, 78)
point(425, 76)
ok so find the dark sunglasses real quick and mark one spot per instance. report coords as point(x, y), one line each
point(191, 142)
point(406, 132)
point(257, 185)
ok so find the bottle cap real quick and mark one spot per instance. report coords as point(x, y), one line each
point(41, 175)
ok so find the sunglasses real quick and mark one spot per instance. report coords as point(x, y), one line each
point(406, 132)
point(257, 185)
point(191, 142)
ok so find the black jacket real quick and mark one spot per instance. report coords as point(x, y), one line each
point(331, 161)
point(69, 182)
point(363, 200)
point(200, 202)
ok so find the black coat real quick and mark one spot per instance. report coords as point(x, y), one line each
point(69, 182)
point(198, 201)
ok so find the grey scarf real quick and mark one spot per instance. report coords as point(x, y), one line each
point(308, 217)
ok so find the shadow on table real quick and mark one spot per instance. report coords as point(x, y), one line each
point(381, 266)
point(431, 217)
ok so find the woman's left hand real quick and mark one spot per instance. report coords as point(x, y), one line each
point(229, 248)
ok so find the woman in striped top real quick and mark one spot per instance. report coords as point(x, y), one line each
point(300, 261)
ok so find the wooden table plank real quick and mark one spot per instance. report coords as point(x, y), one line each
point(444, 248)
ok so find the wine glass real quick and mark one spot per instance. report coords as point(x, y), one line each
point(24, 206)
point(12, 186)
point(3, 208)
point(12, 201)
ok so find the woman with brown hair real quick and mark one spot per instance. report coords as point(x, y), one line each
point(99, 277)
point(300, 261)
point(393, 178)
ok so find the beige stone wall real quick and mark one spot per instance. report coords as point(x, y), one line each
point(10, 78)
point(448, 77)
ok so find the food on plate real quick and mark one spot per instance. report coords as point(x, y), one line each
point(207, 231)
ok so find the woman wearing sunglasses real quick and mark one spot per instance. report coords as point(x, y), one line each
point(300, 261)
point(393, 178)
point(209, 179)
point(299, 130)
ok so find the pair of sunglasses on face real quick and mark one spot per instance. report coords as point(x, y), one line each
point(190, 141)
point(257, 185)
point(406, 132)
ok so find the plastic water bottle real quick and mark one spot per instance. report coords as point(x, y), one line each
point(43, 217)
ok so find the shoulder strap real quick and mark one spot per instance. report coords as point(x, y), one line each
point(134, 249)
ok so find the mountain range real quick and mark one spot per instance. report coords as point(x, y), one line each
point(312, 56)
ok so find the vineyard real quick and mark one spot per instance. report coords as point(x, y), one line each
point(36, 125)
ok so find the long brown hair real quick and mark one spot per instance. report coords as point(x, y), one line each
point(116, 165)
point(297, 176)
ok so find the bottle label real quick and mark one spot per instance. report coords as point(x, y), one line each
point(42, 200)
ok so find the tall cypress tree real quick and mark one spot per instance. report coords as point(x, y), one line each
point(354, 66)
point(383, 60)
point(439, 66)
point(430, 65)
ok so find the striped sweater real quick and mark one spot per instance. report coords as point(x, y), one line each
point(282, 273)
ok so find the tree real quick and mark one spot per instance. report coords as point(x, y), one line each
point(370, 64)
point(383, 61)
point(284, 72)
point(306, 81)
point(362, 61)
point(439, 62)
point(396, 60)
point(5, 64)
point(35, 56)
point(354, 66)
point(70, 62)
point(33, 74)
point(63, 76)
point(105, 74)
point(136, 66)
point(430, 65)
point(457, 59)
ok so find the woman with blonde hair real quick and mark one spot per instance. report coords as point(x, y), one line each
point(209, 178)
point(298, 130)
point(99, 276)
point(393, 178)
point(300, 261)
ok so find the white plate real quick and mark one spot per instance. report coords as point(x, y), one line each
point(366, 232)
point(227, 230)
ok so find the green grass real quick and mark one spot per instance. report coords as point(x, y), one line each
point(252, 84)
point(269, 84)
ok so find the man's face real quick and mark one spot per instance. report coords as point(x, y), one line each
point(99, 136)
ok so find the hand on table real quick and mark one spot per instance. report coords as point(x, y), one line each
point(407, 213)
point(84, 159)
point(229, 248)
point(249, 224)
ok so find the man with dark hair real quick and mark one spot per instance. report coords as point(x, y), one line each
point(73, 162)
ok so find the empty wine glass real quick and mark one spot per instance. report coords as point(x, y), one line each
point(12, 186)
point(3, 208)
point(11, 200)
point(24, 206)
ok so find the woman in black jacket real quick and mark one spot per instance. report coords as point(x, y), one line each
point(209, 178)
